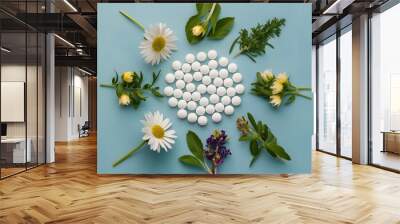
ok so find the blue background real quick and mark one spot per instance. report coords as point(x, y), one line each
point(119, 128)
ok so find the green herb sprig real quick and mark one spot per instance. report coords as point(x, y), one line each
point(130, 90)
point(260, 137)
point(196, 148)
point(253, 43)
point(206, 23)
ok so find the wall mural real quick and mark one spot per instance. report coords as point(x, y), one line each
point(181, 92)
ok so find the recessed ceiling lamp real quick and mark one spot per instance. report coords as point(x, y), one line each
point(65, 41)
point(70, 5)
point(5, 50)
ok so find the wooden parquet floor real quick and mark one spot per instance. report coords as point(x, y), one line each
point(70, 191)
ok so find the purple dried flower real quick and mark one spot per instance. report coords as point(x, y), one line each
point(216, 150)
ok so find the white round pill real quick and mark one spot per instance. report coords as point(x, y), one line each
point(219, 107)
point(237, 77)
point(190, 87)
point(218, 82)
point(202, 120)
point(204, 69)
point(197, 76)
point(169, 78)
point(200, 110)
point(189, 58)
point(187, 96)
point(210, 109)
point(196, 96)
point(229, 110)
point(191, 105)
point(203, 101)
point(188, 77)
point(236, 100)
point(176, 65)
point(196, 66)
point(211, 89)
point(179, 75)
point(232, 67)
point(201, 56)
point(206, 80)
point(186, 68)
point(201, 89)
point(228, 82)
point(178, 93)
point(214, 98)
point(226, 100)
point(213, 73)
point(216, 117)
point(223, 61)
point(192, 117)
point(239, 88)
point(230, 91)
point(180, 84)
point(213, 64)
point(182, 104)
point(168, 91)
point(172, 102)
point(223, 73)
point(182, 113)
point(212, 54)
point(221, 91)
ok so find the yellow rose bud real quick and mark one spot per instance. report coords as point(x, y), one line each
point(282, 78)
point(124, 100)
point(198, 30)
point(128, 77)
point(276, 87)
point(275, 100)
point(267, 75)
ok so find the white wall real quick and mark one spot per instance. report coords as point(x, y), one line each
point(70, 83)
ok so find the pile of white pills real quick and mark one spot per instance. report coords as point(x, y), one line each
point(203, 86)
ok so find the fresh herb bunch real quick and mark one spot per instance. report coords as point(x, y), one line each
point(130, 90)
point(215, 151)
point(277, 89)
point(253, 43)
point(260, 137)
point(206, 23)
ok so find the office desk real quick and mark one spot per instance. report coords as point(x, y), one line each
point(391, 141)
point(18, 151)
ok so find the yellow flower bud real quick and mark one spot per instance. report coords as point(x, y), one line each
point(267, 75)
point(282, 78)
point(198, 30)
point(275, 100)
point(124, 100)
point(128, 77)
point(276, 87)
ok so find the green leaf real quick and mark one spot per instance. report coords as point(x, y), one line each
point(233, 45)
point(254, 149)
point(253, 160)
point(119, 90)
point(194, 144)
point(156, 93)
point(203, 9)
point(193, 21)
point(244, 138)
point(252, 120)
point(222, 29)
point(278, 150)
point(191, 161)
point(214, 17)
point(290, 99)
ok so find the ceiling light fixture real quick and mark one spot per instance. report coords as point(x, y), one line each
point(5, 50)
point(84, 71)
point(70, 5)
point(64, 40)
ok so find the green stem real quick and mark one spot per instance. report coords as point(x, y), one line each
point(304, 88)
point(301, 95)
point(129, 154)
point(211, 12)
point(107, 85)
point(133, 20)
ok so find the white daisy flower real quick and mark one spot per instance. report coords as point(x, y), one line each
point(158, 44)
point(156, 131)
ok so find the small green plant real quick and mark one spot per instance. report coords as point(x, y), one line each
point(260, 137)
point(130, 90)
point(253, 43)
point(206, 23)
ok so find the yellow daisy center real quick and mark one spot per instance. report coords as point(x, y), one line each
point(157, 131)
point(158, 43)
